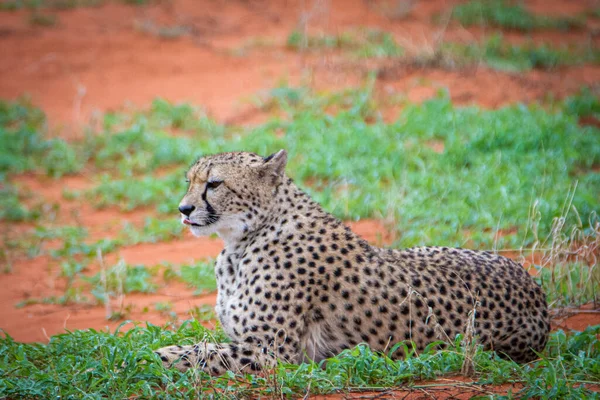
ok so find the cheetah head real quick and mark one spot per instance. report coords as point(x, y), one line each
point(230, 193)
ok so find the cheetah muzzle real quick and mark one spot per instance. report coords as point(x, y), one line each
point(294, 283)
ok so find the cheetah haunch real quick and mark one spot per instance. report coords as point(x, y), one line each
point(295, 283)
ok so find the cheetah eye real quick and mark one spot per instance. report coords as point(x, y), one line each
point(214, 184)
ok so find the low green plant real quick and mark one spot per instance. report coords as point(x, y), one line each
point(168, 32)
point(43, 19)
point(200, 275)
point(13, 209)
point(121, 279)
point(585, 104)
point(494, 164)
point(379, 44)
point(140, 142)
point(501, 55)
point(298, 40)
point(567, 260)
point(74, 246)
point(71, 270)
point(136, 2)
point(252, 43)
point(163, 307)
point(203, 313)
point(154, 230)
point(72, 295)
point(89, 363)
point(11, 5)
point(510, 15)
point(129, 194)
point(25, 147)
point(166, 309)
point(130, 143)
point(363, 43)
point(570, 284)
point(569, 360)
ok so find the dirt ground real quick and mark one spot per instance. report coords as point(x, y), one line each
point(104, 58)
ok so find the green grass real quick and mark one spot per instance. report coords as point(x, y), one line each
point(11, 5)
point(154, 230)
point(200, 275)
point(124, 145)
point(501, 55)
point(494, 51)
point(136, 2)
point(12, 208)
point(31, 244)
point(121, 365)
point(41, 19)
point(165, 32)
point(362, 43)
point(73, 243)
point(494, 166)
point(510, 15)
point(204, 312)
point(72, 295)
point(24, 147)
point(121, 279)
point(585, 104)
point(571, 283)
point(523, 166)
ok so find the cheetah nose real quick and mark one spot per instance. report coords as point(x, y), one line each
point(186, 210)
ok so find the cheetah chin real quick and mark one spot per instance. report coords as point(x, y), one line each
point(294, 283)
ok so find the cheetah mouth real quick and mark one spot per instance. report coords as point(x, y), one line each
point(209, 222)
point(190, 223)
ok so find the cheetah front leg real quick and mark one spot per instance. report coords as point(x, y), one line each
point(215, 359)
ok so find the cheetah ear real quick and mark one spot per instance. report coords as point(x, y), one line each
point(276, 162)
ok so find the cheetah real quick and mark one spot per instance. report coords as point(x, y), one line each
point(295, 284)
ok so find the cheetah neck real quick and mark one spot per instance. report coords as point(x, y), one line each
point(232, 235)
point(291, 211)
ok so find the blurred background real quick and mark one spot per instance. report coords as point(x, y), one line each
point(419, 122)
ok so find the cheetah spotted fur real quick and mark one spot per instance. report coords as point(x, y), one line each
point(294, 283)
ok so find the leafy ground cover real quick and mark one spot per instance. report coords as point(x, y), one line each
point(494, 51)
point(510, 15)
point(122, 365)
point(493, 167)
point(359, 43)
point(534, 167)
point(501, 55)
point(57, 5)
